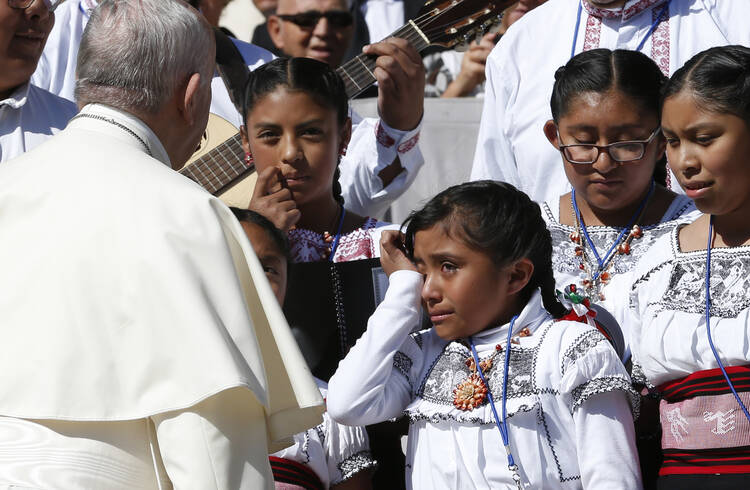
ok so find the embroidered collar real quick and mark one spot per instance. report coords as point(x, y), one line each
point(18, 98)
point(627, 11)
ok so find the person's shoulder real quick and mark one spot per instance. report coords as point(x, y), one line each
point(660, 255)
point(253, 55)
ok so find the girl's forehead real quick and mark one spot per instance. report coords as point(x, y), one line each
point(612, 107)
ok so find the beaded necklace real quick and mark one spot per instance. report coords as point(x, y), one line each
point(596, 279)
point(338, 292)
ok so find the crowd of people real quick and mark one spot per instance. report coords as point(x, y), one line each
point(575, 316)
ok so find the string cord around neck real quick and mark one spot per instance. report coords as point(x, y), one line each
point(335, 244)
point(708, 317)
point(610, 253)
point(501, 423)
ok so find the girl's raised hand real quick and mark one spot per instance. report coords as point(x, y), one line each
point(274, 201)
point(392, 254)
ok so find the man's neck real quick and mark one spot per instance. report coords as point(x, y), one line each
point(603, 4)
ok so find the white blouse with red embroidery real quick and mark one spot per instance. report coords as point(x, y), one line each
point(362, 243)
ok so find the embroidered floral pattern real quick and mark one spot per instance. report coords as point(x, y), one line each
point(408, 144)
point(436, 418)
point(593, 32)
point(604, 385)
point(309, 246)
point(580, 347)
point(402, 363)
point(383, 138)
point(660, 43)
point(354, 464)
point(730, 280)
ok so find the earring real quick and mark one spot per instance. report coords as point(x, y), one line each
point(248, 158)
point(342, 151)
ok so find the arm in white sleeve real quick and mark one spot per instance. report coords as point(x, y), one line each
point(374, 146)
point(605, 440)
point(219, 443)
point(366, 387)
point(494, 158)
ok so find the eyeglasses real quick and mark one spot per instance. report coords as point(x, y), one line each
point(621, 151)
point(309, 19)
point(24, 4)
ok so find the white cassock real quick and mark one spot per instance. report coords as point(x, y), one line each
point(142, 345)
point(511, 145)
point(373, 146)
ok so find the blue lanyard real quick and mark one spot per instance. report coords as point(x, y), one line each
point(610, 252)
point(654, 24)
point(338, 235)
point(708, 317)
point(502, 424)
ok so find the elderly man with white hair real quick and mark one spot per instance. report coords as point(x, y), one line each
point(143, 347)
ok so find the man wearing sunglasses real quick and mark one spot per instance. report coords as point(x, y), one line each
point(28, 114)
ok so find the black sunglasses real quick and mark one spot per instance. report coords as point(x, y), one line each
point(337, 18)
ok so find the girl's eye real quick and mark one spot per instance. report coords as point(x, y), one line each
point(269, 270)
point(671, 141)
point(267, 135)
point(312, 132)
point(704, 139)
point(448, 267)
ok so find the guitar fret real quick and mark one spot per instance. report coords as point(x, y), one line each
point(203, 180)
point(366, 68)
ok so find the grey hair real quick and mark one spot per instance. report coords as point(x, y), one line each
point(135, 53)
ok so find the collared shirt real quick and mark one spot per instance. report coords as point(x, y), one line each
point(511, 146)
point(28, 117)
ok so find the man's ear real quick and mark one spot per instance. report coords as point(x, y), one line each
point(189, 101)
point(274, 31)
point(550, 131)
point(520, 274)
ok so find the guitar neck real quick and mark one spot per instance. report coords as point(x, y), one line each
point(220, 166)
point(359, 72)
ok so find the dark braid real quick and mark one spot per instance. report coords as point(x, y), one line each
point(499, 220)
point(337, 195)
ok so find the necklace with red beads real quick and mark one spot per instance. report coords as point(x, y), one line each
point(597, 277)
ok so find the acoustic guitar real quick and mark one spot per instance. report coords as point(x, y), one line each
point(219, 163)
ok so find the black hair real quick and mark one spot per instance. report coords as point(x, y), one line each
point(498, 220)
point(600, 70)
point(307, 75)
point(718, 78)
point(278, 237)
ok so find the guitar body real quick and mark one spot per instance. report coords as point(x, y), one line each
point(239, 189)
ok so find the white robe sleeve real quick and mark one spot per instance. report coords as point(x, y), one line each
point(219, 443)
point(494, 158)
point(347, 451)
point(370, 385)
point(373, 146)
point(605, 438)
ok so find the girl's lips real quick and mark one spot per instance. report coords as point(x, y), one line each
point(439, 316)
point(695, 190)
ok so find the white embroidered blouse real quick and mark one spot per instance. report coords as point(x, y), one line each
point(362, 243)
point(566, 265)
point(569, 400)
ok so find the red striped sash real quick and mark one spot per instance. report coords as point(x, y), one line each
point(704, 430)
point(290, 472)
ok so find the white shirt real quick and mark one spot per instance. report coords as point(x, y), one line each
point(28, 117)
point(511, 145)
point(373, 146)
point(668, 303)
point(382, 17)
point(148, 303)
point(566, 265)
point(569, 419)
point(335, 452)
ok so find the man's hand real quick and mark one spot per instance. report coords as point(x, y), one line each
point(472, 67)
point(274, 201)
point(392, 255)
point(400, 74)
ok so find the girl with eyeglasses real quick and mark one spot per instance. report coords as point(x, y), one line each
point(691, 293)
point(605, 109)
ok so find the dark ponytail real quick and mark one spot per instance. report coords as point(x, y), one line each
point(307, 75)
point(718, 78)
point(499, 220)
point(600, 70)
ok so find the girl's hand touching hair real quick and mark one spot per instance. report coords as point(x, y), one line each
point(273, 201)
point(392, 254)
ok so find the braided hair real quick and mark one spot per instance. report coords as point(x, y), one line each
point(313, 77)
point(499, 220)
point(718, 78)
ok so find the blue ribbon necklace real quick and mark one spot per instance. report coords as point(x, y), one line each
point(654, 25)
point(708, 317)
point(501, 423)
point(618, 246)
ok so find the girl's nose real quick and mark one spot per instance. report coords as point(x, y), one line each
point(431, 290)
